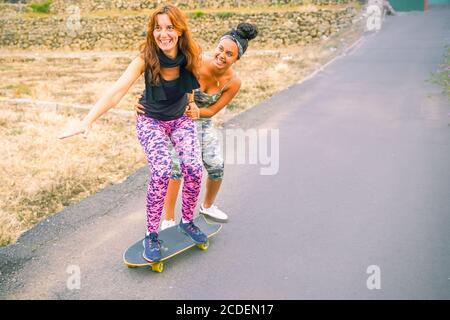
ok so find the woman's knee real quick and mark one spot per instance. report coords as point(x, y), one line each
point(176, 170)
point(160, 173)
point(214, 165)
point(193, 170)
point(215, 172)
point(215, 175)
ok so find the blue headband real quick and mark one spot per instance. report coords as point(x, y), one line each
point(232, 37)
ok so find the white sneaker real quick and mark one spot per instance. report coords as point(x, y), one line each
point(167, 224)
point(214, 213)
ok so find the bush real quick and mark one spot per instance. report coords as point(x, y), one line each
point(197, 14)
point(42, 7)
point(224, 15)
point(442, 76)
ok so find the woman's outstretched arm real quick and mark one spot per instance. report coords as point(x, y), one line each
point(109, 99)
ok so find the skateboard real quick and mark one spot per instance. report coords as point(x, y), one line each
point(173, 242)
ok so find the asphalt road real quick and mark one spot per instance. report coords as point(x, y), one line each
point(363, 180)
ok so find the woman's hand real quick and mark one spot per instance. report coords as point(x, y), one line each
point(140, 109)
point(78, 128)
point(192, 111)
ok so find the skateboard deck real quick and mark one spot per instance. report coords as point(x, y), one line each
point(173, 242)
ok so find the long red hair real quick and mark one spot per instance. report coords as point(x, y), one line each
point(186, 44)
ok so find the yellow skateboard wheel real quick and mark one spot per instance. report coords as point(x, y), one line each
point(203, 246)
point(158, 267)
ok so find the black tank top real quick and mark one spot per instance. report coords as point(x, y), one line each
point(170, 109)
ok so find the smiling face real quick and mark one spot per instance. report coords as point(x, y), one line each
point(225, 54)
point(166, 36)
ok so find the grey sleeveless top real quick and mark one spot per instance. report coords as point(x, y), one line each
point(204, 100)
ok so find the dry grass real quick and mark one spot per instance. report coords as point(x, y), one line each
point(67, 80)
point(40, 175)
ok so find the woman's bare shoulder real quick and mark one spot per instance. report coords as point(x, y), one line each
point(204, 70)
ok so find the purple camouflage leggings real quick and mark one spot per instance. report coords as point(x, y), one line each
point(152, 135)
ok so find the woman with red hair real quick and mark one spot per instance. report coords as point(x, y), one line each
point(169, 60)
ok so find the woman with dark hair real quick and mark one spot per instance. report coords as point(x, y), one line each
point(219, 84)
point(169, 59)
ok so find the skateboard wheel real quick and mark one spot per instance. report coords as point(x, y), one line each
point(203, 246)
point(158, 267)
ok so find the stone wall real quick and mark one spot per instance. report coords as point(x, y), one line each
point(60, 6)
point(124, 33)
point(9, 10)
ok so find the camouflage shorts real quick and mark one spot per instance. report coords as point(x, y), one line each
point(211, 151)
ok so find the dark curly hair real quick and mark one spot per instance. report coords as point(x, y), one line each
point(243, 34)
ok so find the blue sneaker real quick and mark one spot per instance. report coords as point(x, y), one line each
point(191, 230)
point(152, 248)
